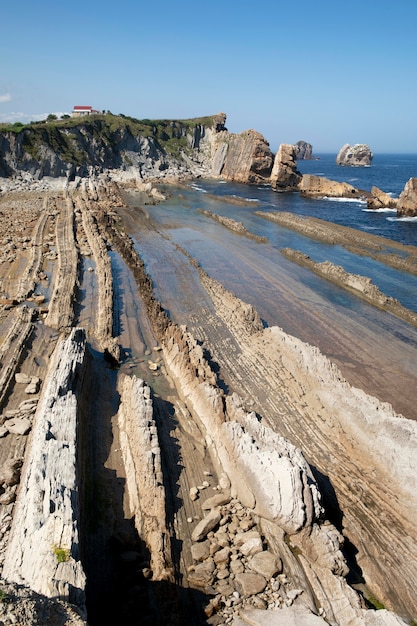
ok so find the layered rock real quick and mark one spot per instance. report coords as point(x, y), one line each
point(357, 155)
point(61, 307)
point(43, 550)
point(266, 472)
point(245, 158)
point(381, 200)
point(144, 477)
point(284, 175)
point(319, 186)
point(303, 151)
point(407, 202)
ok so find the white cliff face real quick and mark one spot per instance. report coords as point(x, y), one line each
point(43, 551)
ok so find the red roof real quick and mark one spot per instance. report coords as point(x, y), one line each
point(82, 108)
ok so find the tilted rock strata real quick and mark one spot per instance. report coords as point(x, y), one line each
point(244, 158)
point(43, 550)
point(360, 285)
point(61, 310)
point(319, 411)
point(267, 473)
point(284, 174)
point(232, 224)
point(13, 346)
point(354, 240)
point(407, 202)
point(104, 328)
point(142, 461)
point(357, 155)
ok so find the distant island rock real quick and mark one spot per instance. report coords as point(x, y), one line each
point(303, 151)
point(357, 155)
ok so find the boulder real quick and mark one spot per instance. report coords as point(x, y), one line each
point(357, 155)
point(206, 525)
point(297, 615)
point(319, 186)
point(250, 584)
point(266, 563)
point(284, 173)
point(18, 426)
point(407, 202)
point(380, 200)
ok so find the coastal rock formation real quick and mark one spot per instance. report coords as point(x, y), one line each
point(266, 472)
point(407, 202)
point(142, 460)
point(357, 155)
point(380, 200)
point(43, 550)
point(360, 285)
point(303, 151)
point(319, 186)
point(284, 175)
point(245, 158)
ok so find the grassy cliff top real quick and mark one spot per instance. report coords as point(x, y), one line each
point(60, 134)
point(144, 127)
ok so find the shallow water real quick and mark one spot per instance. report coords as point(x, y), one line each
point(375, 350)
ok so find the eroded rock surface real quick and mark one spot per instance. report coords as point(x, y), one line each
point(245, 158)
point(285, 175)
point(407, 202)
point(43, 550)
point(357, 155)
point(304, 151)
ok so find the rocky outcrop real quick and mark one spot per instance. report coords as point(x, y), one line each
point(43, 550)
point(380, 200)
point(284, 175)
point(407, 202)
point(232, 224)
point(245, 158)
point(266, 472)
point(61, 307)
point(357, 155)
point(360, 285)
point(319, 186)
point(98, 246)
point(144, 477)
point(303, 151)
point(348, 417)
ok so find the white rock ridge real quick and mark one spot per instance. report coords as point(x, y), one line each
point(43, 551)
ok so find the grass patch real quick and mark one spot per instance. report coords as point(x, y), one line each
point(62, 554)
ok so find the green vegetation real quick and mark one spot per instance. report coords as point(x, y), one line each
point(66, 135)
point(62, 554)
point(4, 596)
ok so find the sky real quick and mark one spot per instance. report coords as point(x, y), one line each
point(325, 71)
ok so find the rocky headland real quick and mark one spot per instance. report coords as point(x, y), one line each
point(147, 477)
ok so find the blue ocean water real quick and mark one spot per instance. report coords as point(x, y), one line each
point(389, 172)
point(202, 237)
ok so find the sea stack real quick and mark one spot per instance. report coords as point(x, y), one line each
point(357, 155)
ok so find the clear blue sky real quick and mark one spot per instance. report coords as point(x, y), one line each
point(326, 71)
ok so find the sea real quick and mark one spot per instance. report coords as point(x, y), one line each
point(372, 347)
point(208, 242)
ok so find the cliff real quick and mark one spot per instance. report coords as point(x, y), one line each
point(245, 158)
point(134, 148)
point(131, 149)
